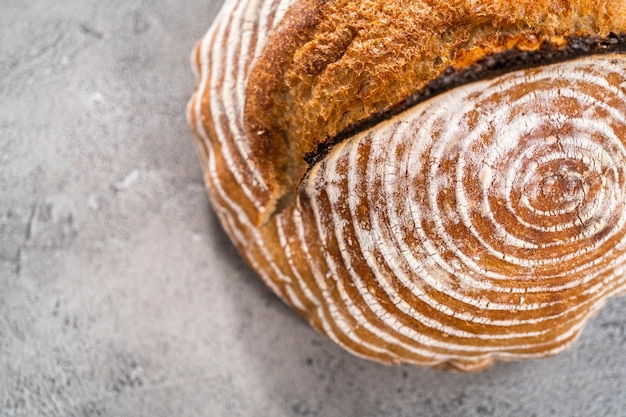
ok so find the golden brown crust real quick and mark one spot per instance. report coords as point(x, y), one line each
point(416, 239)
point(334, 63)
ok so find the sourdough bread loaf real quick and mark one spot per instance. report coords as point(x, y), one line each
point(432, 182)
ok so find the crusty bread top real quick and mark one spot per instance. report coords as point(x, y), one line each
point(486, 223)
point(334, 63)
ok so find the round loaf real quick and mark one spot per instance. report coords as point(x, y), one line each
point(429, 182)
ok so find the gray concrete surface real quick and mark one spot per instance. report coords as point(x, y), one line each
point(121, 296)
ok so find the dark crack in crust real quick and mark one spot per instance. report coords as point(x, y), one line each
point(487, 68)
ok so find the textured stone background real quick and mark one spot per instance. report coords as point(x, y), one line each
point(121, 296)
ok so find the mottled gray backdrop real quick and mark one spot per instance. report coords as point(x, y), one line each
point(121, 296)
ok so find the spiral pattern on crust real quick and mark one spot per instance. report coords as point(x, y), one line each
point(454, 234)
point(488, 219)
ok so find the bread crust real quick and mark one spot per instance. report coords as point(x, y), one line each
point(333, 64)
point(395, 237)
